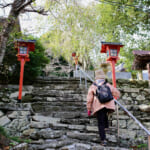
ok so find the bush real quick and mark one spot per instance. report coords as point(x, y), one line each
point(10, 69)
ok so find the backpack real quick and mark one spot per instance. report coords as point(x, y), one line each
point(103, 93)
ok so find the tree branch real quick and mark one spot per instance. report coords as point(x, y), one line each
point(39, 11)
point(5, 5)
point(25, 5)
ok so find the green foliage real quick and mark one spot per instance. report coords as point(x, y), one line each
point(62, 60)
point(142, 145)
point(19, 140)
point(3, 132)
point(38, 60)
point(13, 140)
point(72, 32)
point(124, 21)
point(33, 68)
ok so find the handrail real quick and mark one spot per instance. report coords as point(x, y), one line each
point(132, 116)
point(86, 75)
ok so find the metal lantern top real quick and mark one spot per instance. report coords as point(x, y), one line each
point(112, 50)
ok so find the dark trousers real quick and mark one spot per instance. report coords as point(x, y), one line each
point(102, 122)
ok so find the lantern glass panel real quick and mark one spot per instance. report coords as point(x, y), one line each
point(107, 53)
point(23, 50)
point(113, 52)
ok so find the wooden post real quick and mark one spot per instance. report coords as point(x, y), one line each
point(140, 75)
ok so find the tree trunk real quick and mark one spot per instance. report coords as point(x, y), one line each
point(8, 26)
point(17, 7)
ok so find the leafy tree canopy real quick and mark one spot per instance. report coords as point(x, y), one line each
point(127, 22)
point(81, 29)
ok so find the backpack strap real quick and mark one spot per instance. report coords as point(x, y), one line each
point(105, 82)
point(99, 85)
point(95, 84)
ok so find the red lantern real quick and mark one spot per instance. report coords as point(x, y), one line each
point(111, 49)
point(73, 54)
point(23, 48)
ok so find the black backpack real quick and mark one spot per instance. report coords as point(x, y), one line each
point(103, 93)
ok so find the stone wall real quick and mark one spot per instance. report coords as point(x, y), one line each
point(135, 96)
point(44, 116)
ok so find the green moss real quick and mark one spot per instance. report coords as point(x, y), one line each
point(19, 140)
point(27, 98)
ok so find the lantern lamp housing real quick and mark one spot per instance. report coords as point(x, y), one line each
point(111, 49)
point(24, 47)
point(73, 54)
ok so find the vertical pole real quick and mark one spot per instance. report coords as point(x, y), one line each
point(148, 69)
point(113, 73)
point(85, 82)
point(114, 84)
point(21, 79)
point(80, 77)
point(76, 70)
point(148, 142)
point(140, 75)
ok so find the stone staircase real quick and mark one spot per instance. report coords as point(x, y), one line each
point(60, 120)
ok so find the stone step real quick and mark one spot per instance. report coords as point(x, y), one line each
point(58, 102)
point(76, 132)
point(83, 133)
point(58, 122)
point(29, 98)
point(52, 108)
point(72, 145)
point(66, 143)
point(70, 114)
point(89, 128)
point(88, 146)
point(81, 121)
point(58, 86)
point(57, 111)
point(58, 81)
point(52, 90)
point(58, 94)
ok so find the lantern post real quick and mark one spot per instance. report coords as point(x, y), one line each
point(76, 58)
point(112, 50)
point(23, 47)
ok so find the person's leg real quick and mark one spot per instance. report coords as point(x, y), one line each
point(106, 119)
point(101, 115)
